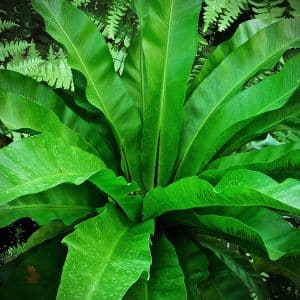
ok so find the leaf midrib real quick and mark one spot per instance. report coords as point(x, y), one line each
point(103, 107)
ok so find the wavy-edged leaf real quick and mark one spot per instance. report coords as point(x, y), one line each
point(222, 283)
point(251, 227)
point(240, 266)
point(166, 276)
point(266, 47)
point(118, 253)
point(38, 163)
point(89, 54)
point(193, 261)
point(279, 161)
point(171, 26)
point(245, 31)
point(17, 112)
point(26, 103)
point(65, 202)
point(237, 112)
point(264, 123)
point(237, 188)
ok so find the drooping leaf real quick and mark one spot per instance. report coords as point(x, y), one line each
point(287, 266)
point(65, 202)
point(280, 161)
point(264, 123)
point(34, 275)
point(41, 162)
point(266, 47)
point(166, 276)
point(118, 253)
point(237, 188)
point(222, 283)
point(193, 261)
point(240, 266)
point(31, 98)
point(89, 54)
point(171, 26)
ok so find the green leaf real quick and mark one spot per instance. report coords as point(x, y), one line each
point(237, 188)
point(264, 123)
point(166, 276)
point(171, 26)
point(286, 266)
point(41, 162)
point(65, 202)
point(193, 261)
point(17, 112)
point(280, 161)
point(245, 31)
point(237, 112)
point(119, 190)
point(266, 47)
point(118, 253)
point(222, 284)
point(240, 266)
point(89, 54)
point(34, 275)
point(29, 104)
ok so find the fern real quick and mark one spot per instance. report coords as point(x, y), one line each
point(222, 12)
point(295, 8)
point(79, 3)
point(12, 48)
point(5, 25)
point(268, 9)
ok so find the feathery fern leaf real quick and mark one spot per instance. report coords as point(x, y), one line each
point(5, 25)
point(268, 9)
point(12, 48)
point(79, 3)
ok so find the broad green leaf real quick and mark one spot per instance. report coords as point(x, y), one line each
point(240, 266)
point(89, 54)
point(171, 26)
point(265, 47)
point(166, 276)
point(25, 103)
point(236, 113)
point(34, 275)
point(119, 190)
point(237, 188)
point(245, 31)
point(118, 253)
point(17, 112)
point(193, 262)
point(38, 163)
point(222, 283)
point(280, 161)
point(251, 227)
point(65, 202)
point(266, 122)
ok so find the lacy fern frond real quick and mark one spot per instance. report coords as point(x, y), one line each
point(79, 3)
point(268, 9)
point(222, 12)
point(12, 48)
point(116, 13)
point(5, 25)
point(295, 8)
